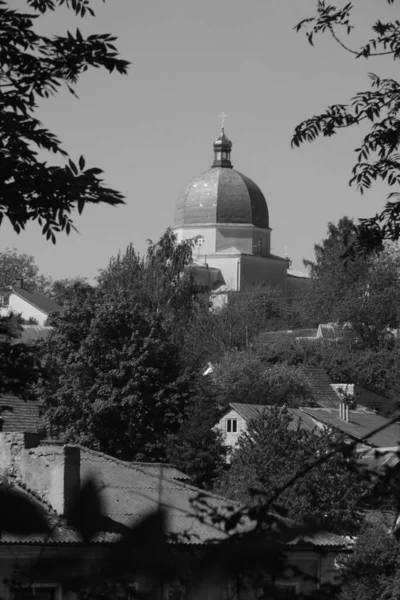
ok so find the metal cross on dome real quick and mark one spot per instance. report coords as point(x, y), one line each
point(222, 116)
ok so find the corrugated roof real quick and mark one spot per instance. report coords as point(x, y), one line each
point(129, 493)
point(21, 416)
point(360, 423)
point(43, 303)
point(253, 411)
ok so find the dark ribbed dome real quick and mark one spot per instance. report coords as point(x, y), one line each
point(222, 195)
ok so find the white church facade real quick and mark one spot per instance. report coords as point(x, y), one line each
point(227, 216)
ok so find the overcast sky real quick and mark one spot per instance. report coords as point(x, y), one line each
point(152, 131)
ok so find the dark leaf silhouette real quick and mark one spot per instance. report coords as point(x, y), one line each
point(87, 512)
point(144, 549)
point(19, 514)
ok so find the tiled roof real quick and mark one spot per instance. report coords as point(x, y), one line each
point(43, 303)
point(21, 416)
point(325, 395)
point(360, 423)
point(253, 411)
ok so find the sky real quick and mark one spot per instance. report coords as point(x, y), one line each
point(152, 130)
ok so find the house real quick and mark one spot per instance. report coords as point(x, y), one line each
point(362, 396)
point(355, 424)
point(30, 305)
point(236, 416)
point(50, 475)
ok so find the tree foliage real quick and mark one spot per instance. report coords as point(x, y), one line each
point(378, 153)
point(15, 266)
point(34, 67)
point(372, 571)
point(272, 451)
point(233, 323)
point(361, 294)
point(114, 381)
point(197, 449)
point(245, 377)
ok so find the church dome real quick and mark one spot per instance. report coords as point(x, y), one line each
point(222, 195)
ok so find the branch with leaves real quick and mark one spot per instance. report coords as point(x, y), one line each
point(34, 67)
point(378, 157)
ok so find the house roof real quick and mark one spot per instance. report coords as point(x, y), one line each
point(129, 493)
point(361, 422)
point(328, 331)
point(268, 336)
point(43, 303)
point(325, 394)
point(21, 415)
point(253, 411)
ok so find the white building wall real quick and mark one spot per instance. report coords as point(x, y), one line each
point(231, 439)
point(25, 309)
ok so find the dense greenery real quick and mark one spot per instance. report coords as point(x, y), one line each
point(272, 451)
point(114, 378)
point(243, 376)
point(34, 67)
point(377, 155)
point(372, 571)
point(361, 294)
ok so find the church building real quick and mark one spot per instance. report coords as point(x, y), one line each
point(226, 215)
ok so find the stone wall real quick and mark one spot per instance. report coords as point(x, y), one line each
point(51, 471)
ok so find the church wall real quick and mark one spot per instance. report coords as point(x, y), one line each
point(239, 237)
point(259, 269)
point(208, 233)
point(263, 235)
point(229, 266)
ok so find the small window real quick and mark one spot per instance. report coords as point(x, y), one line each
point(260, 244)
point(231, 425)
point(4, 301)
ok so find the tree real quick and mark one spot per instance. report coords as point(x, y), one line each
point(34, 67)
point(271, 452)
point(113, 378)
point(245, 377)
point(372, 571)
point(61, 290)
point(361, 293)
point(233, 323)
point(377, 156)
point(197, 449)
point(116, 379)
point(15, 266)
point(161, 282)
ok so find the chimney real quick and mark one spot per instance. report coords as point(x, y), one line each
point(19, 283)
point(51, 471)
point(344, 411)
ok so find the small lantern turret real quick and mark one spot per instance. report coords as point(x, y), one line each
point(222, 151)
